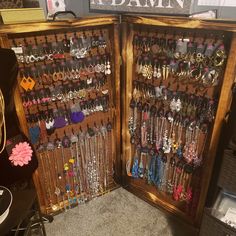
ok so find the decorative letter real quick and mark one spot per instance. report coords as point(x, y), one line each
point(114, 3)
point(151, 2)
point(136, 2)
point(160, 5)
point(181, 3)
point(169, 6)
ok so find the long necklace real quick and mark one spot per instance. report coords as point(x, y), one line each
point(51, 183)
point(75, 165)
point(98, 159)
point(132, 128)
point(164, 174)
point(159, 134)
point(109, 154)
point(179, 150)
point(167, 141)
point(171, 175)
point(151, 132)
point(83, 168)
point(103, 154)
point(88, 164)
point(57, 177)
point(157, 144)
point(47, 187)
point(67, 181)
point(92, 171)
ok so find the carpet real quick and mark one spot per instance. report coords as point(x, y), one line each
point(118, 213)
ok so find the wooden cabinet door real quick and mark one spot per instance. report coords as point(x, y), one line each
point(152, 46)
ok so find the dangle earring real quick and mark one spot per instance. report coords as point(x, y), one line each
point(141, 166)
point(175, 105)
point(155, 71)
point(159, 75)
point(144, 135)
point(135, 167)
point(107, 68)
point(151, 167)
point(171, 175)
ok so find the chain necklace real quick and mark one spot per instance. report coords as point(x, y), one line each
point(45, 177)
point(83, 147)
point(51, 183)
point(57, 189)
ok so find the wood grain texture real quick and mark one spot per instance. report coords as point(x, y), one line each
point(58, 25)
point(4, 43)
point(123, 98)
point(182, 22)
point(117, 102)
point(127, 54)
point(223, 106)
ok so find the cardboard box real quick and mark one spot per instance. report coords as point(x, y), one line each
point(23, 15)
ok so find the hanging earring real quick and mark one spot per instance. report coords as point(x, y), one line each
point(159, 75)
point(108, 68)
point(173, 105)
point(141, 166)
point(135, 167)
point(178, 106)
point(155, 71)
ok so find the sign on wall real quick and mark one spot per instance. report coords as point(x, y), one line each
point(177, 7)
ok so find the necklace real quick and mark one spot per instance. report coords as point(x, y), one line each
point(51, 183)
point(46, 184)
point(57, 188)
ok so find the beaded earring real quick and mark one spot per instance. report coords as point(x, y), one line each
point(135, 167)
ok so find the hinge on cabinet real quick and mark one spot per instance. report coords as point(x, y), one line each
point(120, 19)
point(234, 88)
point(121, 61)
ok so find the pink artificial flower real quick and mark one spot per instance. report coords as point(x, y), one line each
point(21, 154)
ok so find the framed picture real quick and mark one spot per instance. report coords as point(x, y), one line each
point(173, 7)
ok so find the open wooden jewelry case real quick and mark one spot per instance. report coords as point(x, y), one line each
point(137, 103)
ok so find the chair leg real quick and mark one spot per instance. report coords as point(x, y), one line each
point(28, 229)
point(17, 229)
point(40, 217)
point(42, 223)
